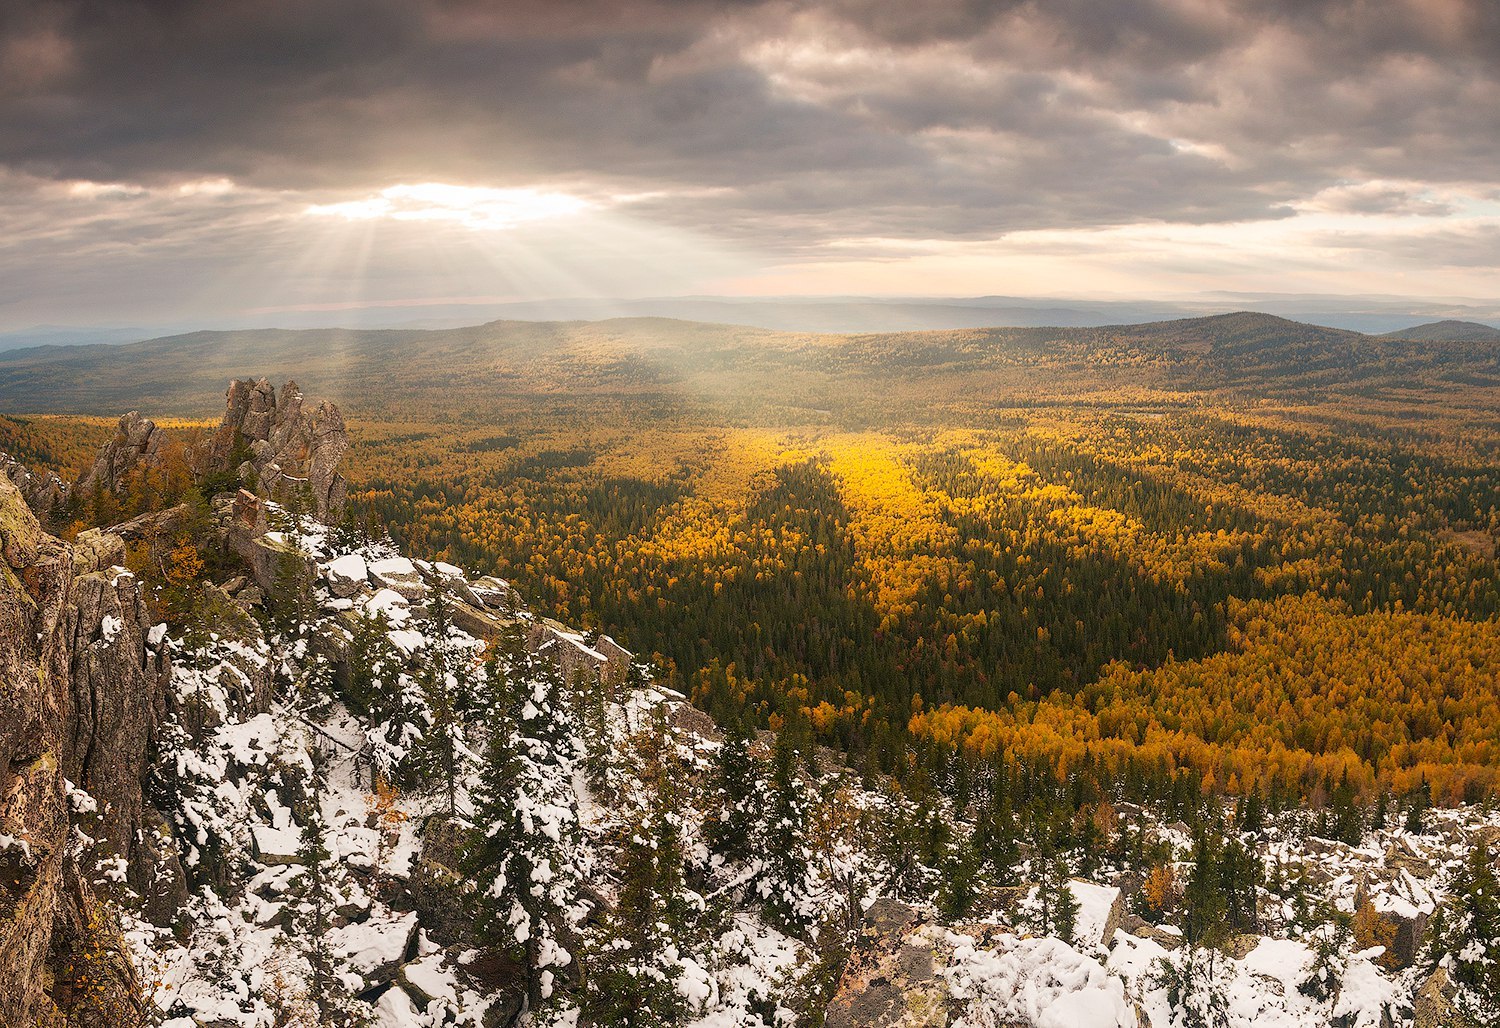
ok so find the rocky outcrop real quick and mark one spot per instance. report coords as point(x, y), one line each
point(117, 684)
point(81, 685)
point(136, 445)
point(291, 454)
point(44, 494)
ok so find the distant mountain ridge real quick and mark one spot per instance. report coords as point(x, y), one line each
point(380, 369)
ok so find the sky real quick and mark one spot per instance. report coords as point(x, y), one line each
point(216, 159)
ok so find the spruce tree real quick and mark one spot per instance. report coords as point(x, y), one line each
point(785, 882)
point(1205, 907)
point(1051, 908)
point(317, 889)
point(633, 965)
point(524, 849)
point(737, 797)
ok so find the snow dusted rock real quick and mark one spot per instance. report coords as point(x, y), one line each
point(378, 947)
point(604, 658)
point(1134, 924)
point(399, 575)
point(1403, 903)
point(346, 575)
point(1041, 982)
point(494, 593)
point(275, 847)
point(1402, 855)
point(394, 1009)
point(1101, 909)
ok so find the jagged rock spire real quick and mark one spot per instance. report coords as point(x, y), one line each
point(292, 452)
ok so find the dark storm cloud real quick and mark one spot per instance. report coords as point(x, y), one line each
point(781, 123)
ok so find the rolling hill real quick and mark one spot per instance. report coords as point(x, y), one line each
point(1449, 331)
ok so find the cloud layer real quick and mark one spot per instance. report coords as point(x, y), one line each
point(773, 135)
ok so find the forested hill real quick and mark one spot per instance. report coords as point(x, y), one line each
point(390, 370)
point(1449, 331)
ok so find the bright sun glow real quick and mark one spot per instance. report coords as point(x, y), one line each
point(473, 207)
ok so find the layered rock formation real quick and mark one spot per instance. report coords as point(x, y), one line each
point(292, 454)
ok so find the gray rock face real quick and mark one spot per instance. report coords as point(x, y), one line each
point(294, 453)
point(80, 693)
point(136, 446)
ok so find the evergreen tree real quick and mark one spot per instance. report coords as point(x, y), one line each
point(960, 879)
point(633, 963)
point(785, 881)
point(1252, 813)
point(997, 841)
point(1051, 908)
point(1345, 823)
point(376, 683)
point(448, 684)
point(737, 795)
point(1417, 807)
point(1205, 906)
point(317, 889)
point(300, 669)
point(524, 849)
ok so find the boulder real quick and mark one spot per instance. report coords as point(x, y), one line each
point(1238, 947)
point(96, 550)
point(275, 847)
point(1101, 909)
point(892, 978)
point(377, 948)
point(494, 593)
point(346, 575)
point(399, 574)
point(1403, 903)
point(1135, 925)
point(1432, 1006)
